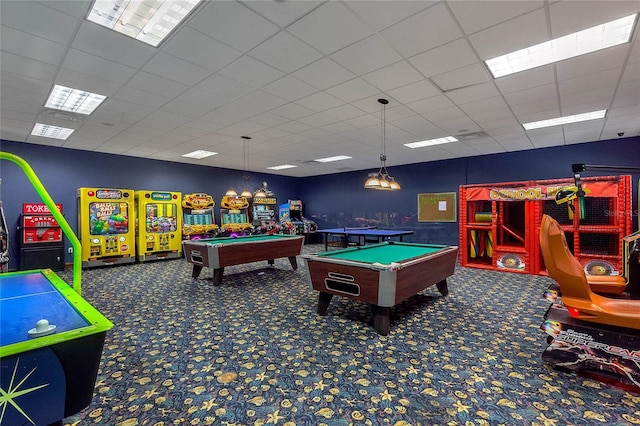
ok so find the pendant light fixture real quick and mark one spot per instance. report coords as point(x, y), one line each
point(245, 193)
point(382, 179)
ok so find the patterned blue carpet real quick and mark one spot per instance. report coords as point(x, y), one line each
point(254, 352)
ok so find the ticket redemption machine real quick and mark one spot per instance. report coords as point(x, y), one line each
point(41, 243)
point(199, 218)
point(234, 215)
point(106, 235)
point(158, 225)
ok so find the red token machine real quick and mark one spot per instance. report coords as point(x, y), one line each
point(41, 243)
point(106, 236)
point(158, 225)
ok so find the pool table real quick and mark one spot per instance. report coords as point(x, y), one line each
point(47, 371)
point(382, 275)
point(217, 253)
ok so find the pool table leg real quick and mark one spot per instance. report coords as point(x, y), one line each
point(270, 262)
point(443, 288)
point(293, 262)
point(381, 320)
point(323, 303)
point(217, 276)
point(196, 271)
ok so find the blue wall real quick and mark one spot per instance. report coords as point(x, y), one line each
point(341, 200)
point(332, 200)
point(63, 171)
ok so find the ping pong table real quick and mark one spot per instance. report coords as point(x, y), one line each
point(361, 236)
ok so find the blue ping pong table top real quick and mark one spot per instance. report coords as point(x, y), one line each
point(366, 231)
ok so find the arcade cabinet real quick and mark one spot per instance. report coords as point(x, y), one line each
point(41, 243)
point(291, 213)
point(158, 225)
point(199, 218)
point(234, 216)
point(264, 211)
point(106, 236)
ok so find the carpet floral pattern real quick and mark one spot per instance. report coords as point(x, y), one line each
point(252, 351)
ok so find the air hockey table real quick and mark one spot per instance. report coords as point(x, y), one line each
point(51, 342)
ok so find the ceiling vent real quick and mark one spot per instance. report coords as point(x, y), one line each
point(472, 136)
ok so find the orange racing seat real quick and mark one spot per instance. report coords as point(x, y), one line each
point(577, 296)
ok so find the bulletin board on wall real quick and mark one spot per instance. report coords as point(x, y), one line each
point(437, 207)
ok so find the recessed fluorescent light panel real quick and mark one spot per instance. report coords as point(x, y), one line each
point(586, 41)
point(330, 159)
point(430, 142)
point(147, 21)
point(73, 100)
point(199, 154)
point(281, 167)
point(568, 119)
point(54, 132)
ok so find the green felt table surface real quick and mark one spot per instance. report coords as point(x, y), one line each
point(246, 239)
point(384, 253)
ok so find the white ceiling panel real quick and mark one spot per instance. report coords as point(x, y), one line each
point(303, 78)
point(329, 28)
point(428, 29)
point(31, 46)
point(367, 55)
point(200, 49)
point(232, 23)
point(474, 16)
point(285, 52)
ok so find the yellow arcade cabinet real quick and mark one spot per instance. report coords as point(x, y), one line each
point(158, 225)
point(106, 234)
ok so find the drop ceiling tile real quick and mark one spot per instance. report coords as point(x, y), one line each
point(39, 20)
point(156, 84)
point(100, 41)
point(140, 97)
point(527, 79)
point(366, 55)
point(381, 14)
point(31, 46)
point(224, 87)
point(204, 100)
point(344, 112)
point(433, 103)
point(414, 92)
point(28, 67)
point(599, 97)
point(318, 119)
point(98, 67)
point(289, 88)
point(541, 109)
point(589, 82)
point(324, 74)
point(77, 80)
point(232, 23)
point(200, 49)
point(430, 28)
point(524, 31)
point(285, 52)
point(631, 73)
point(345, 28)
point(251, 72)
point(393, 76)
point(477, 15)
point(320, 102)
point(269, 119)
point(448, 57)
point(473, 93)
point(418, 126)
point(292, 111)
point(12, 94)
point(569, 17)
point(125, 107)
point(175, 69)
point(282, 13)
point(608, 59)
point(461, 78)
point(294, 127)
point(184, 109)
point(484, 105)
point(352, 90)
point(531, 95)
